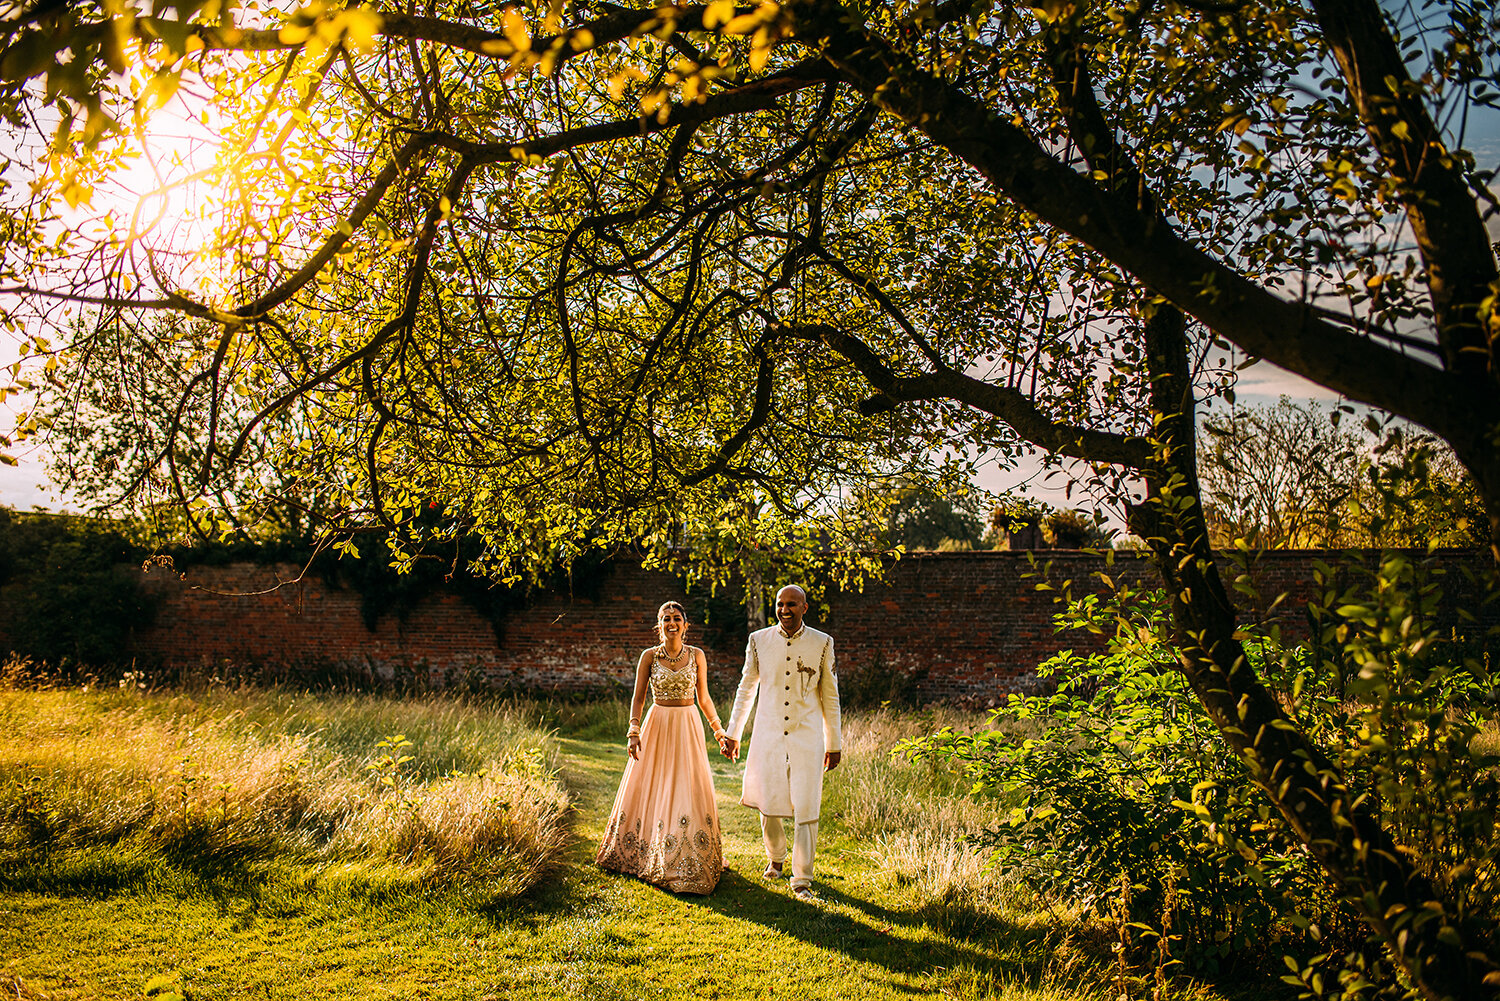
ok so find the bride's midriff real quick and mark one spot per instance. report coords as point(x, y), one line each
point(675, 703)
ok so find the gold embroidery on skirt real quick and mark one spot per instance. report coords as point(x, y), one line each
point(689, 863)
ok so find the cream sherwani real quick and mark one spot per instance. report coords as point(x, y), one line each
point(796, 722)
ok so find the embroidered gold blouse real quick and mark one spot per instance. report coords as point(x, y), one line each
point(674, 685)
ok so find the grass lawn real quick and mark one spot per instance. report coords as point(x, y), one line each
point(124, 921)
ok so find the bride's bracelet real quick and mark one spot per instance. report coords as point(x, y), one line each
point(635, 729)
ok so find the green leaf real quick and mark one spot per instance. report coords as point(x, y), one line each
point(29, 55)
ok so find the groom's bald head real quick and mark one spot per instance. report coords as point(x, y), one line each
point(791, 606)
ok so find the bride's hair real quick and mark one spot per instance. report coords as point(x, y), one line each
point(661, 614)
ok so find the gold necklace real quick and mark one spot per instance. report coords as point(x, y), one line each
point(672, 658)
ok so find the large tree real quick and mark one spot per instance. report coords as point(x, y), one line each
point(588, 272)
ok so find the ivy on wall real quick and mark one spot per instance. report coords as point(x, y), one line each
point(383, 591)
point(65, 585)
point(71, 585)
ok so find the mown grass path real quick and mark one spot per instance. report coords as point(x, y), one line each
point(303, 933)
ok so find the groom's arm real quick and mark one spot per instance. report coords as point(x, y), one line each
point(744, 697)
point(828, 698)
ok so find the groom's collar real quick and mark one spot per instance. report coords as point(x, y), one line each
point(791, 636)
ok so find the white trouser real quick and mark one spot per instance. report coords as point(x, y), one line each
point(803, 843)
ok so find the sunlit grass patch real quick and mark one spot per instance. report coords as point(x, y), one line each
point(411, 886)
point(879, 796)
point(498, 827)
point(224, 779)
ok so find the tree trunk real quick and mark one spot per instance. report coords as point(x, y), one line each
point(1393, 898)
point(755, 598)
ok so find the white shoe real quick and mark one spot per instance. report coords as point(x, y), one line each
point(805, 894)
point(774, 871)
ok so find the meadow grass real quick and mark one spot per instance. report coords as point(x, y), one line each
point(431, 789)
point(227, 844)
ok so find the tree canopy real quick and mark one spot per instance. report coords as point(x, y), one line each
point(577, 267)
point(580, 273)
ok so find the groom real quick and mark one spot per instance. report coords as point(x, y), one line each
point(790, 666)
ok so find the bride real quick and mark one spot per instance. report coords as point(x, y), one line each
point(664, 827)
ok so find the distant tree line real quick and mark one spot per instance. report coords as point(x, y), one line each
point(1299, 476)
point(1277, 476)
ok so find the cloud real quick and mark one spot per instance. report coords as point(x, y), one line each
point(25, 486)
point(1264, 382)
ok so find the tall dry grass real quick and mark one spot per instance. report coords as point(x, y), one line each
point(232, 778)
point(922, 827)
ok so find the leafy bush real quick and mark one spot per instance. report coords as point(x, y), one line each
point(1404, 705)
point(1100, 780)
point(1128, 800)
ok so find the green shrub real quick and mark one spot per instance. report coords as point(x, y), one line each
point(1096, 785)
point(1127, 798)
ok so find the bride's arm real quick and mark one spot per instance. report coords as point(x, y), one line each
point(705, 702)
point(637, 703)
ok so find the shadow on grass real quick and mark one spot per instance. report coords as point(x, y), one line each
point(80, 874)
point(99, 871)
point(1010, 952)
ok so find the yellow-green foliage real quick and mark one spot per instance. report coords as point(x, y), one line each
point(230, 778)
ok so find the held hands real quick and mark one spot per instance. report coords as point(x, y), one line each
point(730, 748)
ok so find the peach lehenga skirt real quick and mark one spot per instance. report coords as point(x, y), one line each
point(664, 827)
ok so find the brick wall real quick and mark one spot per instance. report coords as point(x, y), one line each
point(243, 614)
point(978, 625)
point(975, 622)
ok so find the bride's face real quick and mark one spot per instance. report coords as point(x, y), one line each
point(672, 625)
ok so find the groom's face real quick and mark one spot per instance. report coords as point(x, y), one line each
point(791, 605)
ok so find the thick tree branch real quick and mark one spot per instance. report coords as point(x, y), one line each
point(1367, 867)
point(1444, 214)
point(1091, 131)
point(1010, 405)
point(1266, 326)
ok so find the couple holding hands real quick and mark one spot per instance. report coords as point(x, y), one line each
point(664, 827)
